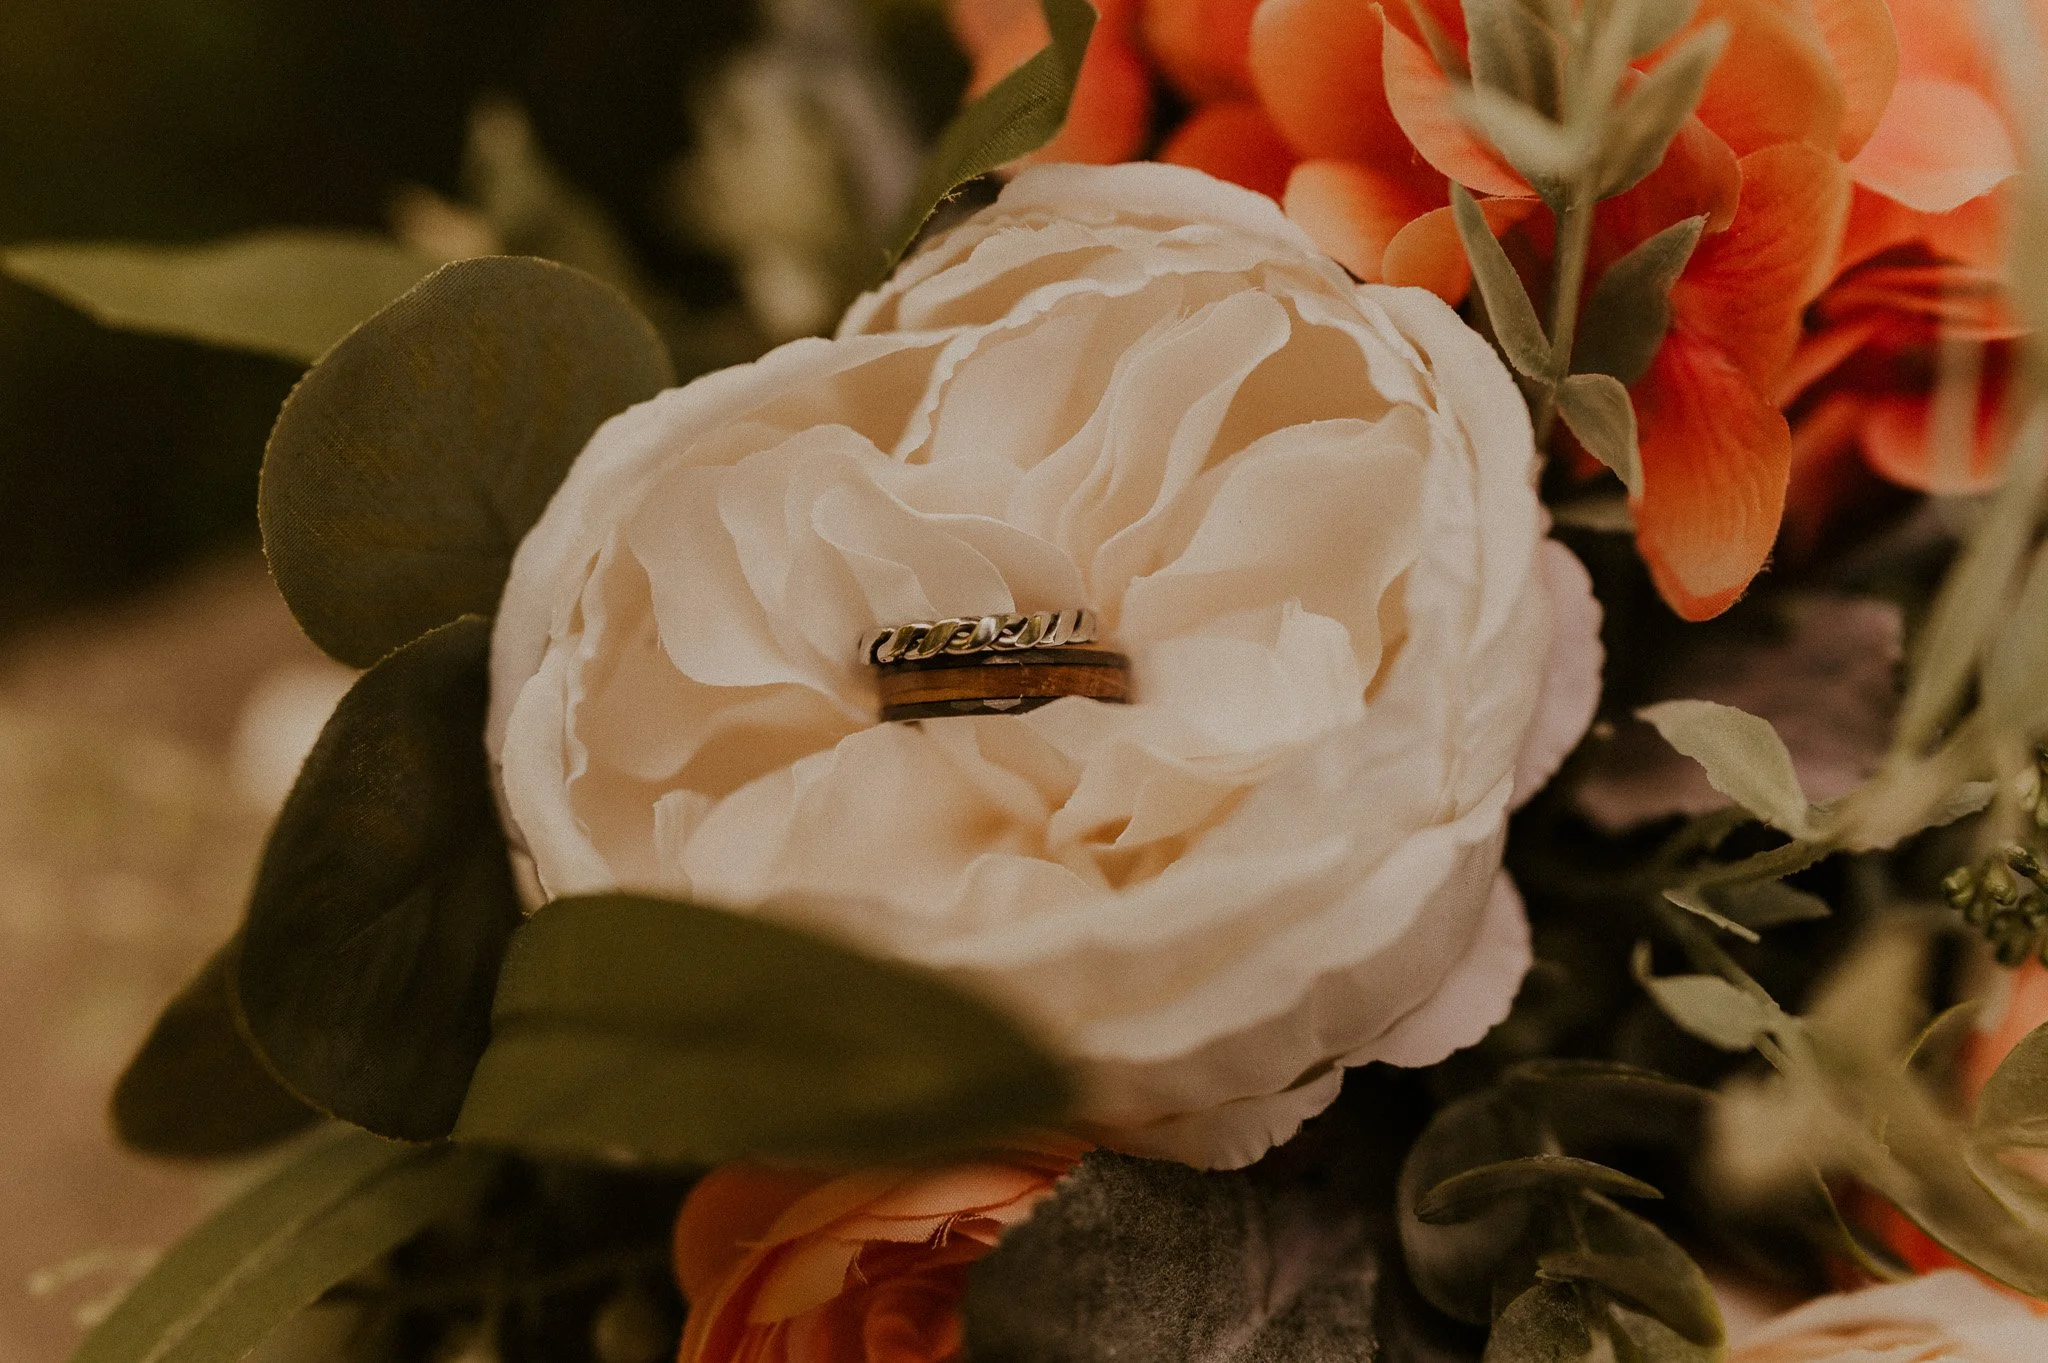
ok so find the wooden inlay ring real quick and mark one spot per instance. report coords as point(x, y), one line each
point(1001, 683)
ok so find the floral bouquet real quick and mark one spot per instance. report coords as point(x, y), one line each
point(1212, 776)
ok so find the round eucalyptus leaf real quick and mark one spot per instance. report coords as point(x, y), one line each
point(410, 461)
point(385, 898)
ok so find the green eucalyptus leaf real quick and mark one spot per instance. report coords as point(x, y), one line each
point(291, 294)
point(1464, 1196)
point(408, 464)
point(628, 1026)
point(1514, 51)
point(1638, 1264)
point(1513, 316)
point(385, 898)
point(1641, 128)
point(1630, 311)
point(340, 1207)
point(194, 1089)
point(2013, 1107)
point(1017, 116)
point(1147, 1261)
point(1759, 904)
point(1708, 1006)
point(2015, 676)
point(1544, 1324)
point(1598, 410)
point(1743, 757)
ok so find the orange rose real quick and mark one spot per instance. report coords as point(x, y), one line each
point(782, 1265)
point(1921, 263)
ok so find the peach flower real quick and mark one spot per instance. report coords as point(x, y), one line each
point(870, 1266)
point(1940, 1318)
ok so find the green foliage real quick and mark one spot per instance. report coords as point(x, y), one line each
point(2015, 677)
point(385, 898)
point(194, 1089)
point(1708, 1006)
point(1515, 325)
point(1643, 125)
point(1513, 50)
point(628, 1026)
point(342, 1205)
point(409, 463)
point(1500, 1225)
point(291, 293)
point(1742, 755)
point(1655, 22)
point(1630, 310)
point(1146, 1261)
point(1020, 114)
point(1597, 409)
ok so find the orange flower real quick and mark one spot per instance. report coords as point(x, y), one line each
point(1920, 267)
point(1110, 117)
point(781, 1265)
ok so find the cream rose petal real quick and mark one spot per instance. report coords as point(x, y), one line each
point(1302, 507)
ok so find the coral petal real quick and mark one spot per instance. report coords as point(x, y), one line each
point(1201, 45)
point(728, 1210)
point(1940, 145)
point(1112, 109)
point(1716, 457)
point(1775, 81)
point(1419, 93)
point(1744, 289)
point(1353, 213)
point(1427, 254)
point(1865, 47)
point(1317, 67)
point(1235, 141)
point(1699, 176)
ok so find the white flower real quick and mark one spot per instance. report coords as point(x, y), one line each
point(1302, 507)
point(1945, 1317)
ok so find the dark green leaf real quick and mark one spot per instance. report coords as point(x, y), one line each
point(1545, 1324)
point(662, 1031)
point(1760, 904)
point(1598, 410)
point(408, 464)
point(1464, 1196)
point(1016, 117)
point(1500, 288)
point(1644, 124)
point(1649, 1273)
point(195, 1090)
point(340, 1207)
point(289, 293)
point(1142, 1261)
point(1630, 311)
point(1515, 52)
point(385, 898)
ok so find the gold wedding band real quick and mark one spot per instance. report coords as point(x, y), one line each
point(992, 665)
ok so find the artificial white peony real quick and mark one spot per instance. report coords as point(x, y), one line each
point(1945, 1317)
point(1302, 507)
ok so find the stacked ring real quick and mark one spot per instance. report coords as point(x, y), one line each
point(992, 665)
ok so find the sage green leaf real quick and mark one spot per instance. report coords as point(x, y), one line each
point(1548, 155)
point(1147, 1261)
point(1629, 313)
point(1641, 128)
point(1545, 1324)
point(1463, 1196)
point(1017, 116)
point(290, 293)
point(1708, 1006)
point(635, 1027)
point(1656, 21)
point(1759, 904)
point(385, 898)
point(1598, 410)
point(1664, 1284)
point(194, 1089)
point(345, 1203)
point(1693, 901)
point(2015, 676)
point(408, 464)
point(1743, 757)
point(1514, 51)
point(2012, 1109)
point(1500, 288)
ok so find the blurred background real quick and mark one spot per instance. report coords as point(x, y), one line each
point(734, 165)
